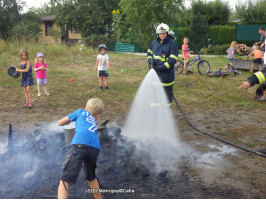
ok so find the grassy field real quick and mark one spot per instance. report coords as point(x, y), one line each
point(194, 92)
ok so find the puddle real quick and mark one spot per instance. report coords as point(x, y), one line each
point(215, 156)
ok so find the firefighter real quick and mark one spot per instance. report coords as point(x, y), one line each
point(257, 78)
point(162, 56)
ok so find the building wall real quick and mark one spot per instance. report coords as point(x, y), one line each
point(48, 39)
point(51, 40)
point(74, 36)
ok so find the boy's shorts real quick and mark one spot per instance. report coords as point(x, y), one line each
point(76, 156)
point(102, 73)
point(41, 81)
point(258, 60)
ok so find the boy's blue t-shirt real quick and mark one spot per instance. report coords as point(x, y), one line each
point(86, 128)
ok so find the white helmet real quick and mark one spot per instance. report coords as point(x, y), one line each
point(162, 28)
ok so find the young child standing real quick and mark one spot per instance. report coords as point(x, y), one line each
point(84, 148)
point(257, 57)
point(27, 78)
point(102, 65)
point(40, 68)
point(231, 53)
point(185, 53)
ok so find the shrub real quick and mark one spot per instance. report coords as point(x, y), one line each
point(216, 49)
point(221, 34)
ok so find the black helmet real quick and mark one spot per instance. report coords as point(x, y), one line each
point(102, 46)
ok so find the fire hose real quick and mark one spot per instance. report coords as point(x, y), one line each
point(213, 136)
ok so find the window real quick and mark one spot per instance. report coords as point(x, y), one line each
point(48, 26)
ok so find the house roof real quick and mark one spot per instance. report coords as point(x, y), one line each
point(48, 18)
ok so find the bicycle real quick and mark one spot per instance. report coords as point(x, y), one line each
point(202, 65)
point(223, 73)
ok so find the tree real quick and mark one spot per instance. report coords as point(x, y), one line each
point(9, 16)
point(142, 17)
point(216, 12)
point(199, 32)
point(90, 17)
point(252, 12)
point(28, 27)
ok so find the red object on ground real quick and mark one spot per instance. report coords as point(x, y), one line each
point(72, 79)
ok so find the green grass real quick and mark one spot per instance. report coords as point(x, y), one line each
point(194, 92)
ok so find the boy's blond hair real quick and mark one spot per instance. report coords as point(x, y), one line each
point(255, 47)
point(185, 38)
point(233, 44)
point(95, 106)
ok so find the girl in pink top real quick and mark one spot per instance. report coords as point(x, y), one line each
point(185, 54)
point(40, 68)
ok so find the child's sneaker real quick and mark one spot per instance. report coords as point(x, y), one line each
point(101, 88)
point(26, 105)
point(106, 88)
point(30, 105)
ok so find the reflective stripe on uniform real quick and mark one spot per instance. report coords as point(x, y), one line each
point(261, 77)
point(149, 57)
point(168, 84)
point(160, 58)
point(150, 51)
point(173, 56)
point(167, 65)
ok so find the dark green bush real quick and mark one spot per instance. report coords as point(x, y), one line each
point(216, 49)
point(221, 34)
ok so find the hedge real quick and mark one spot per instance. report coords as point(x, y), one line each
point(221, 34)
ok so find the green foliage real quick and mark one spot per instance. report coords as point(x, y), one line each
point(185, 17)
point(143, 16)
point(94, 40)
point(216, 49)
point(199, 32)
point(90, 17)
point(28, 28)
point(217, 12)
point(252, 12)
point(9, 12)
point(182, 32)
point(116, 25)
point(221, 34)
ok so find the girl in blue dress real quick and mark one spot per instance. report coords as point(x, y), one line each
point(27, 78)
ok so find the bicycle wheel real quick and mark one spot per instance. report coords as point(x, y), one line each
point(179, 67)
point(213, 74)
point(203, 67)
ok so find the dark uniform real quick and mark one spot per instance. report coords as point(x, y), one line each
point(163, 56)
point(258, 78)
